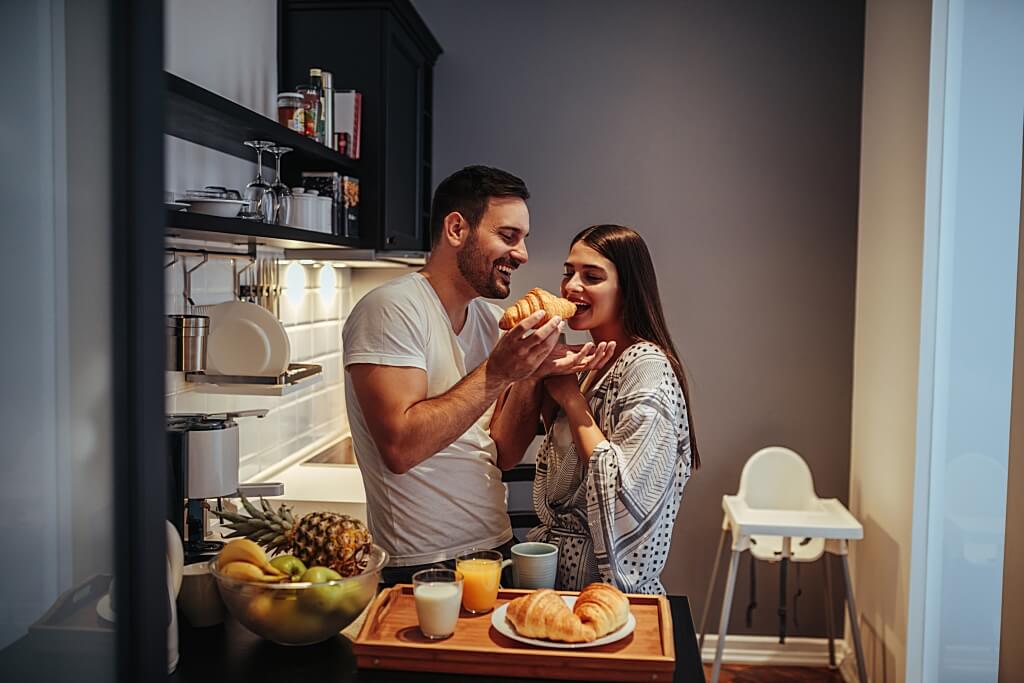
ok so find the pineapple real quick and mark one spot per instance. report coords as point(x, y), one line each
point(319, 539)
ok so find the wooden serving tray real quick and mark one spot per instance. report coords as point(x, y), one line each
point(390, 639)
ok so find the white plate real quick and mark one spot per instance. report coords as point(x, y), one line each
point(505, 627)
point(245, 339)
point(227, 208)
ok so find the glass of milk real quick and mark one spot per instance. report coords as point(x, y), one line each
point(438, 595)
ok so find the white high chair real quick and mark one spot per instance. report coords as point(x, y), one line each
point(776, 504)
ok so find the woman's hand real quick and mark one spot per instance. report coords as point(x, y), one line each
point(566, 359)
point(564, 389)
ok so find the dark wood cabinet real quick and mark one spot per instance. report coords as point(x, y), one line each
point(385, 51)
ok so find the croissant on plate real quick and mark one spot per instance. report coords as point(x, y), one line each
point(543, 614)
point(600, 609)
point(602, 606)
point(535, 300)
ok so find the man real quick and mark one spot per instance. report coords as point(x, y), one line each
point(424, 365)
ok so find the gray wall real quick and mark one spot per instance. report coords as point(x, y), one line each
point(728, 135)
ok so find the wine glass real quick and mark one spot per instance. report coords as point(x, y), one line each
point(258, 192)
point(282, 193)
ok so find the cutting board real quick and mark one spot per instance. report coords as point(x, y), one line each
point(390, 639)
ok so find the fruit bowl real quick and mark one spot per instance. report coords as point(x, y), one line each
point(301, 613)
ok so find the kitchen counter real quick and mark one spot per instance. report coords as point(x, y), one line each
point(231, 653)
point(312, 487)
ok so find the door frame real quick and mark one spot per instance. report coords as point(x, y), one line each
point(136, 51)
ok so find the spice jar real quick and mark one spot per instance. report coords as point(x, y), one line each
point(311, 110)
point(290, 112)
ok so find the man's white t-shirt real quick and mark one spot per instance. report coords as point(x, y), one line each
point(454, 500)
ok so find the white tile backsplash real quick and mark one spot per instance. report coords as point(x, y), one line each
point(313, 322)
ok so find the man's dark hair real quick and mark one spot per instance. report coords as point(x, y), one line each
point(468, 191)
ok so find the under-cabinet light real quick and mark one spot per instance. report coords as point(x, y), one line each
point(328, 284)
point(295, 282)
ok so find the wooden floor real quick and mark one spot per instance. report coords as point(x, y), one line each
point(743, 673)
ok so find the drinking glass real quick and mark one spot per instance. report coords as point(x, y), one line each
point(258, 192)
point(481, 572)
point(438, 593)
point(282, 193)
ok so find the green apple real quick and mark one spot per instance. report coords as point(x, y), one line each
point(320, 598)
point(290, 565)
point(354, 598)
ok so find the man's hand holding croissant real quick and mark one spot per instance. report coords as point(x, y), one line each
point(521, 350)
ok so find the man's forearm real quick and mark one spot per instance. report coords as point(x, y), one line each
point(515, 426)
point(433, 424)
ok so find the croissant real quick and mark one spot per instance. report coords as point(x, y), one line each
point(543, 614)
point(603, 607)
point(536, 299)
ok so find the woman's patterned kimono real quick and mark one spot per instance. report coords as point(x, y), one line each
point(612, 514)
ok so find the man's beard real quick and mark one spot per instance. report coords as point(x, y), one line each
point(481, 275)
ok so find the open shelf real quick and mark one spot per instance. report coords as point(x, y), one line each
point(205, 118)
point(197, 226)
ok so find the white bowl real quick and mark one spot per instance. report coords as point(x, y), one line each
point(227, 208)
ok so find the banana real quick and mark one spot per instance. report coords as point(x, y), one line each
point(244, 550)
point(244, 571)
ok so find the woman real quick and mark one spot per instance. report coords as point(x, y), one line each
point(620, 444)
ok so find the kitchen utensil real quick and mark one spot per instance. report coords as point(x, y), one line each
point(105, 606)
point(203, 464)
point(290, 113)
point(187, 342)
point(301, 613)
point(175, 565)
point(245, 339)
point(505, 628)
point(199, 599)
point(258, 192)
point(212, 206)
point(301, 208)
point(323, 214)
point(327, 81)
point(282, 194)
point(389, 639)
point(438, 594)
point(534, 564)
point(481, 570)
point(213, 192)
point(344, 194)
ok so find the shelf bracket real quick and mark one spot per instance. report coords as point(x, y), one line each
point(187, 288)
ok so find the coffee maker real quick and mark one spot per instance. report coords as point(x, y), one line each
point(203, 465)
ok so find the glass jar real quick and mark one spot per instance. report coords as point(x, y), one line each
point(311, 110)
point(290, 112)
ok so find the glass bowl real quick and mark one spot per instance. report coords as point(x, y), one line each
point(301, 613)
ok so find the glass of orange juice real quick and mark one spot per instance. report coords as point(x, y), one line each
point(481, 574)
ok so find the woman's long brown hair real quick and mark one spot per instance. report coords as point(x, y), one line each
point(641, 303)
